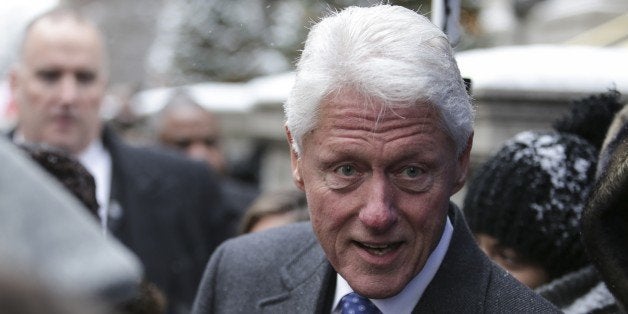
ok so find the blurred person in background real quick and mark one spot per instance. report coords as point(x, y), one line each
point(525, 202)
point(184, 125)
point(275, 208)
point(163, 207)
point(74, 177)
point(25, 294)
point(53, 257)
point(187, 127)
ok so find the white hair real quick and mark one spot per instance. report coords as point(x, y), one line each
point(388, 53)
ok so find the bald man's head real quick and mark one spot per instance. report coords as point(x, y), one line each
point(185, 125)
point(59, 81)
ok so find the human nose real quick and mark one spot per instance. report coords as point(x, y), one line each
point(196, 150)
point(199, 151)
point(68, 90)
point(378, 212)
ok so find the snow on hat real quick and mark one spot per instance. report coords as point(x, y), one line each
point(530, 196)
point(531, 193)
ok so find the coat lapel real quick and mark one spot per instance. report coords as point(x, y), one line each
point(131, 184)
point(307, 279)
point(461, 278)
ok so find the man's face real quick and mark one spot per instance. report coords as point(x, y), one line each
point(195, 132)
point(59, 84)
point(378, 184)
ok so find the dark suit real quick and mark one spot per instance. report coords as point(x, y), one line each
point(45, 231)
point(284, 270)
point(167, 210)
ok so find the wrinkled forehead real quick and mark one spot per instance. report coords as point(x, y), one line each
point(376, 109)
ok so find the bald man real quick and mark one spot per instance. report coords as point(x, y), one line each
point(165, 208)
point(191, 129)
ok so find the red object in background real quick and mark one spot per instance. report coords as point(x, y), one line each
point(8, 108)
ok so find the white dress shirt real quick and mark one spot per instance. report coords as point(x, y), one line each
point(97, 160)
point(407, 299)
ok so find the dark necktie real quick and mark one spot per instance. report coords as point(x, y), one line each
point(354, 303)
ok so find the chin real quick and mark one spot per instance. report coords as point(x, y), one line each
point(379, 289)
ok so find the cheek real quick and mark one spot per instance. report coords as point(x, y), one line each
point(92, 95)
point(425, 207)
point(330, 218)
point(330, 212)
point(447, 182)
point(33, 106)
point(35, 95)
point(94, 100)
point(425, 223)
point(423, 215)
point(90, 106)
point(323, 205)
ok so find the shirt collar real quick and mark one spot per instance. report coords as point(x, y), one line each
point(93, 152)
point(97, 160)
point(406, 300)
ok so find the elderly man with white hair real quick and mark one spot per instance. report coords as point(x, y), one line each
point(380, 128)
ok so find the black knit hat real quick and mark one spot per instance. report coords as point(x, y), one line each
point(530, 196)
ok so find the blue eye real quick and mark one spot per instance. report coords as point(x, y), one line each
point(412, 171)
point(414, 179)
point(343, 177)
point(346, 170)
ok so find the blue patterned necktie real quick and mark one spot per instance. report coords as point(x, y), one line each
point(353, 303)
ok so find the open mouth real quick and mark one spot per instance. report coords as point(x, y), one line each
point(379, 249)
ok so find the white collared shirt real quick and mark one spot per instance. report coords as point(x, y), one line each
point(97, 160)
point(407, 299)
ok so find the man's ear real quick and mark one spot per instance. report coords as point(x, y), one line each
point(463, 165)
point(294, 161)
point(13, 79)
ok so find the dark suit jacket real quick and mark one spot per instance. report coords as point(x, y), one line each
point(167, 210)
point(45, 231)
point(284, 270)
